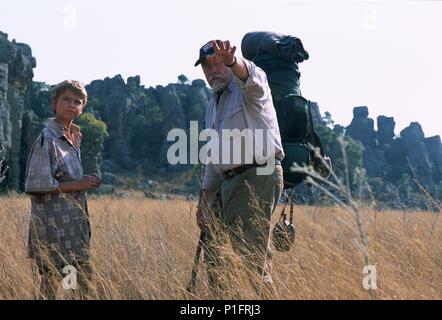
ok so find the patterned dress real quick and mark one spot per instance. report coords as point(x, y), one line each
point(59, 229)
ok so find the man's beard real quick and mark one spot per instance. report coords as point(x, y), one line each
point(218, 86)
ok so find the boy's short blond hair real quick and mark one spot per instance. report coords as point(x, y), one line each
point(75, 86)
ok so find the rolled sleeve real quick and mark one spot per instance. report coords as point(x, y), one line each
point(256, 88)
point(211, 178)
point(40, 172)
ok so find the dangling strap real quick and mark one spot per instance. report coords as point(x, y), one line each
point(292, 208)
point(283, 216)
point(288, 198)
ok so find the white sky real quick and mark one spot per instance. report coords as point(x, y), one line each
point(383, 54)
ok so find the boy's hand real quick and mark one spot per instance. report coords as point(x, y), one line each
point(90, 182)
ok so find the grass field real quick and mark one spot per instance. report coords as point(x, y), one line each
point(144, 249)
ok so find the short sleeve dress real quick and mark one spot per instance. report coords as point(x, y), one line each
point(59, 229)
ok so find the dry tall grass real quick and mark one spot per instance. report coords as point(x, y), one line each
point(143, 249)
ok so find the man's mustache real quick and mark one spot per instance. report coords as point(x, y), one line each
point(215, 77)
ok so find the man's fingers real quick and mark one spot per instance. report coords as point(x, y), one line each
point(227, 45)
point(215, 46)
point(223, 46)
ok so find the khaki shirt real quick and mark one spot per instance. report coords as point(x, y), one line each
point(243, 105)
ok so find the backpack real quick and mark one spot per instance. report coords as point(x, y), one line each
point(278, 55)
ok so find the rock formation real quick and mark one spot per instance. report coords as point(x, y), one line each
point(16, 64)
point(390, 157)
point(362, 128)
point(385, 131)
point(138, 120)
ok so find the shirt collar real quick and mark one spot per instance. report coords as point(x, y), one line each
point(58, 129)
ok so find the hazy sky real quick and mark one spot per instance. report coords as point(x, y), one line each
point(386, 55)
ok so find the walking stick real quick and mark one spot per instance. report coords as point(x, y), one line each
point(191, 287)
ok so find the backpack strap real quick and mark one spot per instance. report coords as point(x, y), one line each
point(292, 205)
point(288, 198)
point(311, 133)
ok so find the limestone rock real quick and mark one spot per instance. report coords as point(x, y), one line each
point(109, 178)
point(385, 130)
point(316, 114)
point(16, 73)
point(362, 128)
point(413, 139)
point(433, 146)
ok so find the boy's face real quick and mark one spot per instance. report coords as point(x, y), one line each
point(68, 106)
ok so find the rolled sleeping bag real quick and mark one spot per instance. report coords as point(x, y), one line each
point(278, 55)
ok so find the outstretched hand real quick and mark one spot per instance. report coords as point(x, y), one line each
point(223, 53)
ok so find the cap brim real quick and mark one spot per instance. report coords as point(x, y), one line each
point(200, 60)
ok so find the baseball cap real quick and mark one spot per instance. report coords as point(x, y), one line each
point(206, 50)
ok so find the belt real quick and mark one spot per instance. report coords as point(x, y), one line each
point(229, 174)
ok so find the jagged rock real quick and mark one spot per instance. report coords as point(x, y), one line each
point(433, 146)
point(115, 109)
point(340, 130)
point(396, 160)
point(178, 191)
point(362, 128)
point(32, 126)
point(122, 194)
point(133, 82)
point(413, 133)
point(150, 195)
point(385, 132)
point(413, 139)
point(152, 184)
point(174, 118)
point(374, 162)
point(139, 119)
point(106, 189)
point(199, 83)
point(360, 112)
point(16, 73)
point(195, 103)
point(316, 114)
point(149, 186)
point(109, 178)
point(157, 196)
point(110, 166)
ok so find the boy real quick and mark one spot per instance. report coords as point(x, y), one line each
point(59, 230)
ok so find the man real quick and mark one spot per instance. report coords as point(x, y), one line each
point(248, 194)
